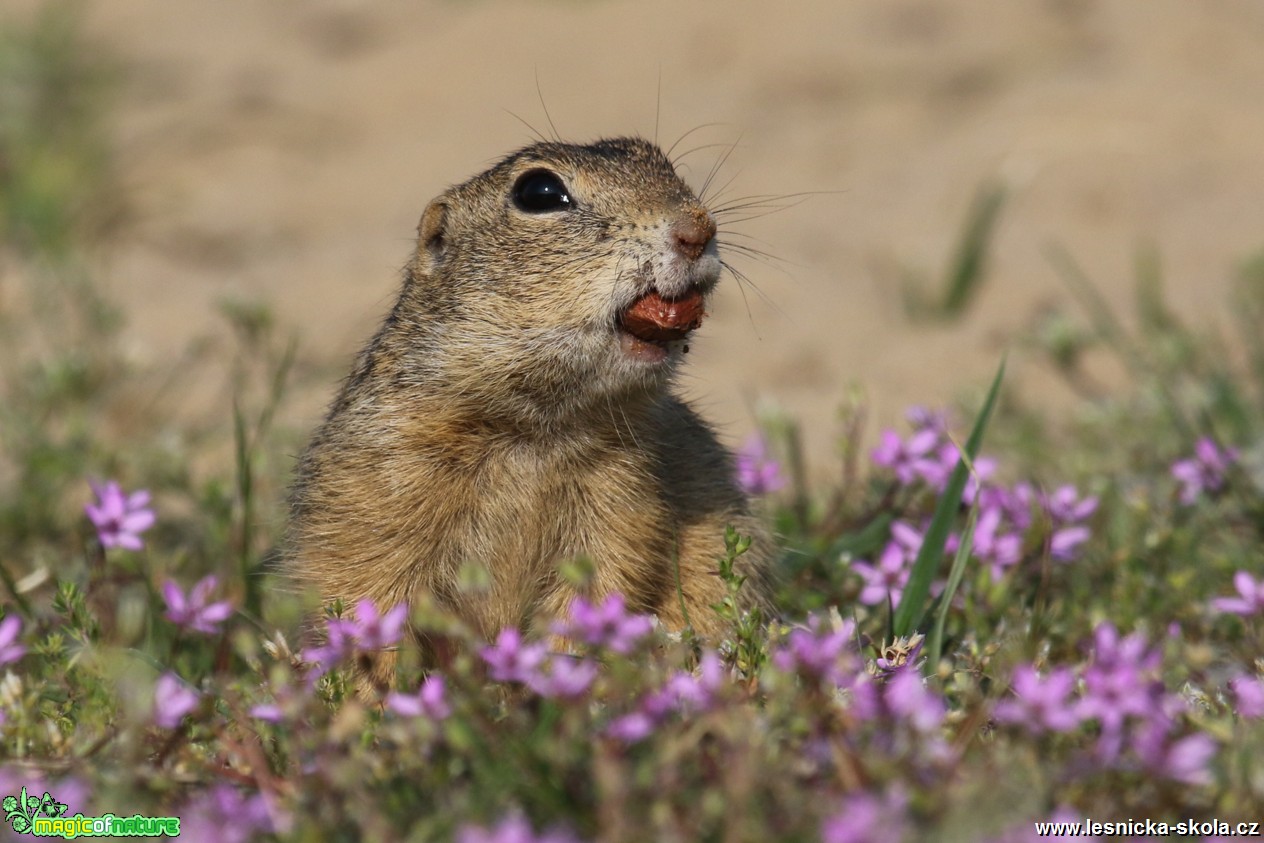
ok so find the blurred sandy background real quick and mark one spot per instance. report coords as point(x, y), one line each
point(283, 151)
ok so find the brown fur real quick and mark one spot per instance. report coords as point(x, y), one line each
point(496, 419)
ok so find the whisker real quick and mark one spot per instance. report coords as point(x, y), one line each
point(540, 93)
point(742, 279)
point(723, 159)
point(772, 202)
point(534, 131)
point(751, 252)
point(685, 135)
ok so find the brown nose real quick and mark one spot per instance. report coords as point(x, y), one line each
point(692, 232)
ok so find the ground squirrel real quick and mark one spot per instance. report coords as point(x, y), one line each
point(515, 409)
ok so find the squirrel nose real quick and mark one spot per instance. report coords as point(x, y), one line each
point(691, 233)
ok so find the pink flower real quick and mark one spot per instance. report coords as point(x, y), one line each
point(337, 646)
point(372, 631)
point(1180, 759)
point(1248, 696)
point(607, 625)
point(1206, 471)
point(203, 817)
point(866, 818)
point(686, 691)
point(368, 631)
point(1002, 550)
point(512, 829)
point(884, 580)
point(912, 459)
point(891, 573)
point(909, 700)
point(633, 727)
point(566, 677)
point(757, 472)
point(119, 518)
point(10, 649)
point(430, 701)
point(1122, 685)
point(1040, 704)
point(172, 701)
point(1066, 510)
point(1250, 599)
point(511, 660)
point(192, 611)
point(268, 712)
point(817, 653)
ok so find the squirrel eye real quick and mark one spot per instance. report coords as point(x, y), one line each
point(540, 191)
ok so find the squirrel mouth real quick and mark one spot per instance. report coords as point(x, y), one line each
point(651, 322)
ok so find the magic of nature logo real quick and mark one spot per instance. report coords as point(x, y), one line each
point(44, 816)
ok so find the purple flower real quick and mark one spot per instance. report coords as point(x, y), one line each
point(1000, 550)
point(908, 699)
point(923, 418)
point(1064, 543)
point(338, 645)
point(430, 701)
point(1248, 695)
point(884, 580)
point(891, 573)
point(683, 692)
point(566, 678)
point(192, 611)
point(866, 818)
point(1180, 759)
point(513, 828)
point(172, 700)
point(1066, 506)
point(1041, 704)
point(632, 727)
point(937, 472)
point(10, 649)
point(757, 472)
point(909, 460)
point(1066, 510)
point(268, 712)
point(816, 653)
point(368, 631)
point(203, 817)
point(372, 631)
point(1017, 502)
point(1206, 471)
point(984, 468)
point(119, 518)
point(607, 625)
point(1250, 599)
point(686, 691)
point(512, 661)
point(1121, 682)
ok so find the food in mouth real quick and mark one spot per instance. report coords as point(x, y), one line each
point(654, 319)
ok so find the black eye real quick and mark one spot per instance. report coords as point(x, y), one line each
point(539, 192)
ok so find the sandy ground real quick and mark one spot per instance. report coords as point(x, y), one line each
point(283, 151)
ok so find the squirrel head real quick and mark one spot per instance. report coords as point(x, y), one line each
point(564, 276)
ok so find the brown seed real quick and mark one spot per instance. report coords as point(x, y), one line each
point(657, 319)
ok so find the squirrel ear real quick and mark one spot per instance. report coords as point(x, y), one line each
point(431, 231)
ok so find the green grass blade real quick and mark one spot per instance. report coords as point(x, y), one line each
point(935, 646)
point(965, 273)
point(245, 496)
point(913, 602)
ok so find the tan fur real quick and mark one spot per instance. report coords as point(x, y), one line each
point(495, 418)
